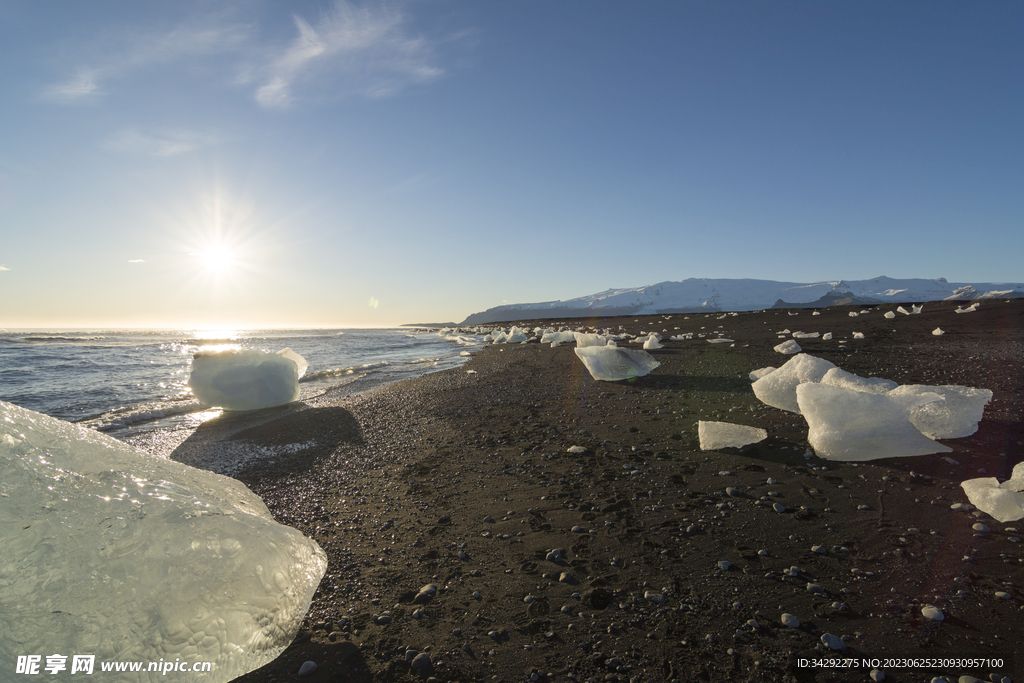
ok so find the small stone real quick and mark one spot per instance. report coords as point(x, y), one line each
point(771, 481)
point(476, 595)
point(426, 594)
point(753, 624)
point(528, 599)
point(655, 596)
point(815, 588)
point(554, 555)
point(779, 507)
point(790, 621)
point(932, 612)
point(724, 565)
point(1003, 595)
point(578, 529)
point(577, 450)
point(981, 528)
point(566, 577)
point(833, 642)
point(383, 619)
point(820, 549)
point(307, 668)
point(421, 661)
point(877, 676)
point(732, 491)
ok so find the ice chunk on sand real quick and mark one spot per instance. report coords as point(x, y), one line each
point(900, 309)
point(778, 389)
point(761, 372)
point(612, 363)
point(112, 552)
point(557, 337)
point(845, 424)
point(715, 435)
point(515, 336)
point(1004, 502)
point(916, 309)
point(245, 380)
point(789, 346)
point(938, 332)
point(955, 417)
point(827, 336)
point(300, 362)
point(890, 315)
point(837, 377)
point(584, 340)
point(970, 309)
point(652, 343)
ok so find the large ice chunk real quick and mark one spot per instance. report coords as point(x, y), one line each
point(955, 417)
point(1004, 502)
point(584, 340)
point(245, 380)
point(845, 424)
point(111, 552)
point(612, 363)
point(554, 338)
point(778, 389)
point(515, 336)
point(715, 435)
point(837, 377)
point(652, 342)
point(788, 347)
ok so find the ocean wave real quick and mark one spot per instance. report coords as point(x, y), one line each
point(133, 415)
point(59, 338)
point(340, 372)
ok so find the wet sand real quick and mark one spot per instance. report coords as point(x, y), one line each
point(463, 480)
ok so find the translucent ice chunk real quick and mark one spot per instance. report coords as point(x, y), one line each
point(845, 424)
point(652, 343)
point(715, 435)
point(778, 389)
point(955, 417)
point(613, 363)
point(557, 337)
point(837, 377)
point(111, 552)
point(584, 340)
point(515, 336)
point(761, 372)
point(788, 347)
point(245, 380)
point(1004, 502)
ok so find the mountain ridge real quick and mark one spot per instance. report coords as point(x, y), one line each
point(695, 295)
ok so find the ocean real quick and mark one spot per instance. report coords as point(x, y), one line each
point(125, 381)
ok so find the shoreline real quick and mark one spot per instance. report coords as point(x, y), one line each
point(400, 482)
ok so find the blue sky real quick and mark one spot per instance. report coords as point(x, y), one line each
point(345, 164)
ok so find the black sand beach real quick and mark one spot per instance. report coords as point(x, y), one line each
point(463, 480)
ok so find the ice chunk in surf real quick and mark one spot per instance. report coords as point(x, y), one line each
point(247, 379)
point(614, 363)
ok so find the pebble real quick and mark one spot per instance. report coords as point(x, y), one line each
point(732, 491)
point(1003, 595)
point(426, 594)
point(981, 528)
point(421, 661)
point(528, 599)
point(307, 668)
point(833, 642)
point(790, 621)
point(554, 555)
point(476, 596)
point(877, 676)
point(771, 481)
point(816, 588)
point(577, 449)
point(655, 596)
point(820, 549)
point(863, 507)
point(566, 577)
point(753, 624)
point(932, 612)
point(762, 553)
point(578, 529)
point(779, 507)
point(724, 565)
point(384, 618)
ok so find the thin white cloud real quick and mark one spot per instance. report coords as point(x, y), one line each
point(351, 50)
point(136, 260)
point(159, 143)
point(4, 268)
point(82, 86)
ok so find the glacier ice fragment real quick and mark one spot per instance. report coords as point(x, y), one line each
point(113, 552)
point(1003, 502)
point(614, 363)
point(715, 435)
point(837, 377)
point(584, 340)
point(788, 347)
point(778, 389)
point(245, 380)
point(955, 417)
point(845, 424)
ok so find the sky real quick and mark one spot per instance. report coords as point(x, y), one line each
point(332, 164)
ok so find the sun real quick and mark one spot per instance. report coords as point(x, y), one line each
point(217, 258)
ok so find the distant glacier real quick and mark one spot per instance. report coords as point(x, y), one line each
point(696, 295)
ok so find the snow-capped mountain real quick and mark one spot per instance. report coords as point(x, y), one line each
point(696, 295)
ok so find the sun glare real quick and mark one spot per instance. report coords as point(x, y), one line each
point(217, 258)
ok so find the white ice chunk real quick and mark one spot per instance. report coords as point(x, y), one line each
point(244, 380)
point(845, 424)
point(955, 417)
point(715, 435)
point(916, 309)
point(806, 335)
point(787, 347)
point(854, 314)
point(900, 309)
point(837, 377)
point(721, 341)
point(1004, 502)
point(652, 343)
point(938, 332)
point(827, 336)
point(858, 335)
point(970, 309)
point(778, 389)
point(300, 362)
point(555, 338)
point(761, 372)
point(890, 315)
point(583, 340)
point(515, 336)
point(111, 552)
point(612, 363)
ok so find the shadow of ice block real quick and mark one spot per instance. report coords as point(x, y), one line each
point(845, 424)
point(715, 435)
point(1003, 502)
point(778, 388)
point(614, 363)
point(953, 418)
point(112, 552)
point(245, 380)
